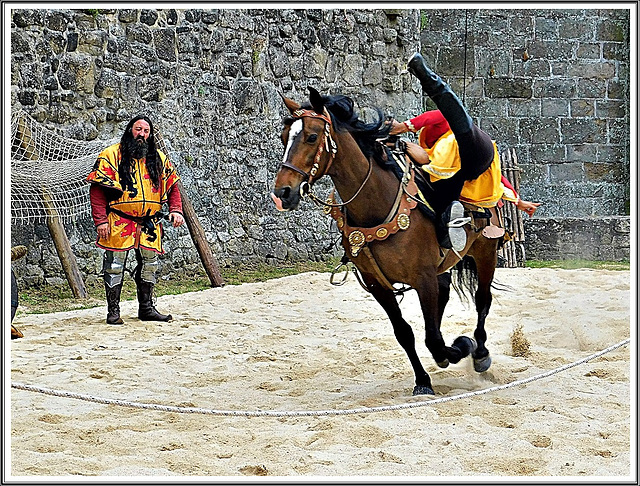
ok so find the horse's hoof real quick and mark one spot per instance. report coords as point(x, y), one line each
point(422, 390)
point(465, 342)
point(443, 364)
point(482, 364)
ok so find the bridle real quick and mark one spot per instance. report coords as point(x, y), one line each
point(326, 144)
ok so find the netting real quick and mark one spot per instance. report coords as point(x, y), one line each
point(48, 172)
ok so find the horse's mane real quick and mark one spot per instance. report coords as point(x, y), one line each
point(346, 118)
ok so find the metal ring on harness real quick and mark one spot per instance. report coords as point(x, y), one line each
point(336, 271)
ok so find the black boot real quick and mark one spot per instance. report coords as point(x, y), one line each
point(441, 94)
point(431, 83)
point(146, 310)
point(113, 304)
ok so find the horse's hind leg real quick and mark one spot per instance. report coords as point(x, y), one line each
point(404, 335)
point(486, 261)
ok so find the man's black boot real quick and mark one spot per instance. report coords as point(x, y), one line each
point(146, 310)
point(113, 303)
point(441, 94)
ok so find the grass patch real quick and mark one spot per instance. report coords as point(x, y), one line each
point(575, 264)
point(59, 298)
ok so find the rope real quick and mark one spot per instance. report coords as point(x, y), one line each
point(310, 413)
point(464, 68)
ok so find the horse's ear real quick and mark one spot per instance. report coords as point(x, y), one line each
point(316, 100)
point(290, 104)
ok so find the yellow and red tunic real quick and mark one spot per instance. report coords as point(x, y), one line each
point(143, 200)
point(437, 139)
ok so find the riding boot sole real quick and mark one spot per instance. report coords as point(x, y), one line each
point(457, 235)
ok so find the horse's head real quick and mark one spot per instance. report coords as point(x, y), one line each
point(309, 151)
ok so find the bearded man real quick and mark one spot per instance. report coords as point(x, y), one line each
point(130, 182)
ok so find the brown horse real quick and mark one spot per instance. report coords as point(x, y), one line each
point(384, 236)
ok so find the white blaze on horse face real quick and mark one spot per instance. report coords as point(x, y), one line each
point(294, 131)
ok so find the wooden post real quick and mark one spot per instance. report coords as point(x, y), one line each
point(195, 228)
point(56, 229)
point(197, 235)
point(63, 247)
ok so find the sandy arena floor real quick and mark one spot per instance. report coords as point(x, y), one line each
point(299, 344)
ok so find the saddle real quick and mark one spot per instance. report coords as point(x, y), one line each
point(487, 220)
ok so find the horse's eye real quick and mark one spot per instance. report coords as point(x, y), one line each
point(312, 138)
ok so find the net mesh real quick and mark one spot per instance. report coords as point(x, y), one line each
point(49, 170)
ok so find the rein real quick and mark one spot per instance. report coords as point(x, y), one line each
point(328, 205)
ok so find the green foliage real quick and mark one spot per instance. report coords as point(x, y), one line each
point(94, 12)
point(424, 20)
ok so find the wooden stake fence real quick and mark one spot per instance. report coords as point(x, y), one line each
point(513, 251)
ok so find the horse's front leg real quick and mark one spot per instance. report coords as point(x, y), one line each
point(403, 332)
point(434, 295)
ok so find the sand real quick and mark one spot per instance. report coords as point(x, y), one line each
point(300, 344)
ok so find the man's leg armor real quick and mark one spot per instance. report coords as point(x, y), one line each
point(113, 269)
point(145, 277)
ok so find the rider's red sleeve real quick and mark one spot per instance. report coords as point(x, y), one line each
point(432, 123)
point(508, 185)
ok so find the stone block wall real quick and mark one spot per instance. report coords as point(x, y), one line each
point(212, 80)
point(554, 84)
point(600, 239)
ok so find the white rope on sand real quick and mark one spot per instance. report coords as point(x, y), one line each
point(311, 413)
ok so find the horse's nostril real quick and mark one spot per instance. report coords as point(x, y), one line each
point(287, 198)
point(283, 193)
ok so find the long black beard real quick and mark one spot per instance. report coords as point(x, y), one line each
point(138, 148)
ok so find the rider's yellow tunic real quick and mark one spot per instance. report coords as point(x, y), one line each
point(485, 191)
point(143, 200)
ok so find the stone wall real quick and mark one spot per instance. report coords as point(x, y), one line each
point(554, 84)
point(602, 239)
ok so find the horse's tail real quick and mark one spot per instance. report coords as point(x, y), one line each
point(464, 279)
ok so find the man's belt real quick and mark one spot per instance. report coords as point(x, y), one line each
point(147, 222)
